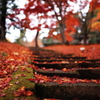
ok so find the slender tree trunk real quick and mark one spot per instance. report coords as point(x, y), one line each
point(36, 39)
point(85, 38)
point(61, 28)
point(85, 33)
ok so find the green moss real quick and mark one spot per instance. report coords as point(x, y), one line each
point(20, 78)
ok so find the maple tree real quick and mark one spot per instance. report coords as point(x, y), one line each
point(94, 22)
point(61, 15)
point(71, 23)
point(34, 7)
point(86, 20)
point(82, 20)
point(60, 9)
point(95, 26)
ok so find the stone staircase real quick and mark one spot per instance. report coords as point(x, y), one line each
point(69, 66)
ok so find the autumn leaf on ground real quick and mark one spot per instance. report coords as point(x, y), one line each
point(2, 94)
point(23, 92)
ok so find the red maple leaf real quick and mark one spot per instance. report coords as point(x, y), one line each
point(23, 92)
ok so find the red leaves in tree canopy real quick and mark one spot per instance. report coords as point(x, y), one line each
point(71, 20)
point(36, 6)
point(94, 4)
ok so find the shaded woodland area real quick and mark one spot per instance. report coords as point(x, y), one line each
point(68, 24)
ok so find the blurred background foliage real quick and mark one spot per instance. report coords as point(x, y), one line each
point(47, 22)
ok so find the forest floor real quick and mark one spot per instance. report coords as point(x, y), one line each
point(16, 67)
point(89, 51)
point(15, 70)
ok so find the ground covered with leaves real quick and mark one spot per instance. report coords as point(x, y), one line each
point(89, 51)
point(17, 71)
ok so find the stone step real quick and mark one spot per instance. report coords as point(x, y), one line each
point(80, 91)
point(67, 91)
point(76, 73)
point(56, 57)
point(67, 65)
point(66, 60)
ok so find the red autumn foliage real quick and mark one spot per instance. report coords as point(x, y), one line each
point(23, 92)
point(11, 55)
point(94, 4)
point(56, 79)
point(41, 9)
point(89, 51)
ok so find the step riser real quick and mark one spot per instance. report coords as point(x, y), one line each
point(72, 65)
point(68, 91)
point(77, 73)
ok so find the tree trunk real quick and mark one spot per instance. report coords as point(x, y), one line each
point(2, 30)
point(85, 35)
point(3, 20)
point(85, 39)
point(61, 28)
point(36, 39)
point(85, 31)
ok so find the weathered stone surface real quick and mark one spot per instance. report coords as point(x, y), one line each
point(67, 91)
point(67, 65)
point(89, 91)
point(58, 73)
point(77, 73)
